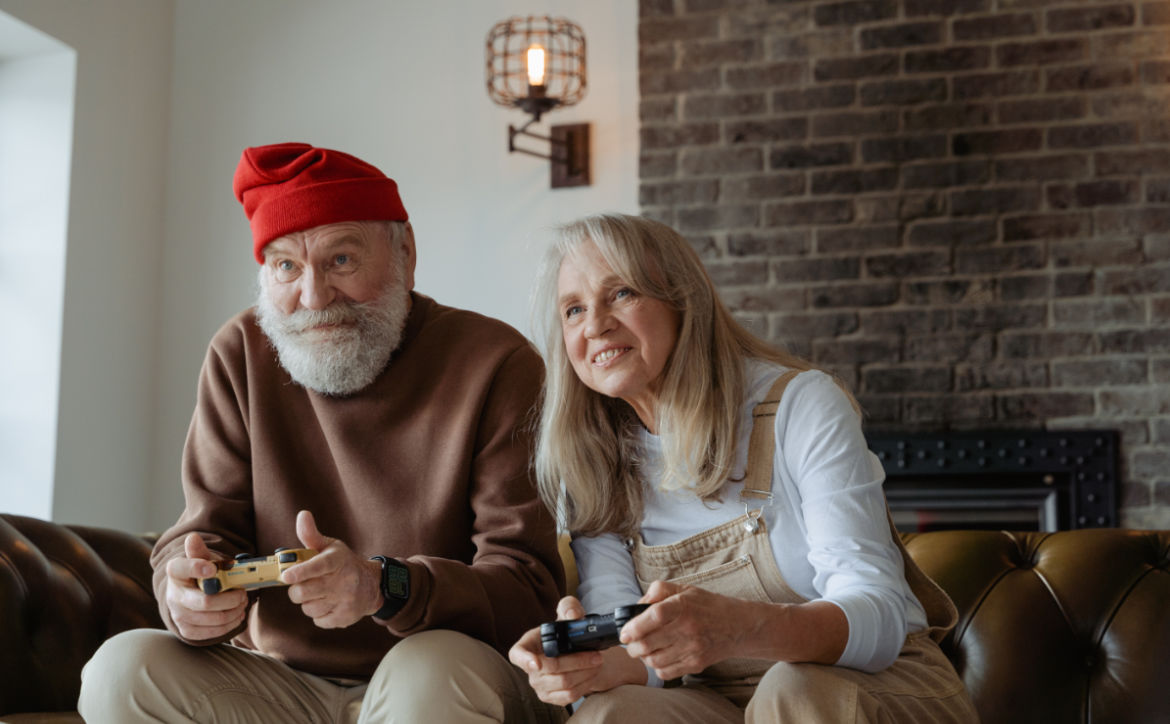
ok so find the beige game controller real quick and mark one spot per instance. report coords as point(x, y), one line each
point(249, 571)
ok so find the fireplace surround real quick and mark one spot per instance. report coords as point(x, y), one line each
point(1035, 480)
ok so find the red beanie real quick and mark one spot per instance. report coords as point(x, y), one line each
point(289, 187)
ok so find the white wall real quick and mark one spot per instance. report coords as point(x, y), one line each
point(108, 342)
point(161, 120)
point(401, 85)
point(36, 136)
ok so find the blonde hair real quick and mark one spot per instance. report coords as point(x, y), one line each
point(586, 455)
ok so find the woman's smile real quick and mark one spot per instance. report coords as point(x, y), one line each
point(608, 355)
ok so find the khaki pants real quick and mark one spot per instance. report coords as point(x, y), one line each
point(147, 675)
point(917, 688)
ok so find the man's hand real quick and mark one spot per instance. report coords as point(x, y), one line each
point(564, 679)
point(337, 587)
point(198, 616)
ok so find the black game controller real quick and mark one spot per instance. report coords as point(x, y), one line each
point(594, 632)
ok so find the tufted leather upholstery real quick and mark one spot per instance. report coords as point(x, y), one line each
point(63, 590)
point(1057, 627)
point(1054, 628)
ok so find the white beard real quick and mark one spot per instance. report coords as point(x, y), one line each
point(340, 360)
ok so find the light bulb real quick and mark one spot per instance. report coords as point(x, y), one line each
point(535, 65)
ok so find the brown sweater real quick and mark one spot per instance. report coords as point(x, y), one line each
point(429, 464)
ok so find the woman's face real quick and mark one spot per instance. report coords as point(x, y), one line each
point(617, 340)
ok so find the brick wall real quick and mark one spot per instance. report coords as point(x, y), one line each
point(962, 207)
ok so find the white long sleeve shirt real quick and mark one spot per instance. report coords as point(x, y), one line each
point(827, 521)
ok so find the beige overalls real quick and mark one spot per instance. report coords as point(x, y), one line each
point(735, 559)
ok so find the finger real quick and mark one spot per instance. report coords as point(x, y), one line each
point(557, 697)
point(195, 599)
point(566, 687)
point(313, 589)
point(307, 532)
point(194, 547)
point(324, 615)
point(528, 654)
point(570, 609)
point(573, 681)
point(656, 630)
point(198, 561)
point(524, 652)
point(198, 626)
point(203, 633)
point(328, 613)
point(660, 590)
point(677, 669)
point(569, 663)
point(210, 612)
point(198, 616)
point(647, 623)
point(309, 570)
point(645, 646)
point(184, 571)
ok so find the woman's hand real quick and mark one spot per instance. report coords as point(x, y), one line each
point(565, 679)
point(688, 629)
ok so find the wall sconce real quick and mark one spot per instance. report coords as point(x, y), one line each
point(537, 63)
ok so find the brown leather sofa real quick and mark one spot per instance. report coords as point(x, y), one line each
point(63, 590)
point(1054, 627)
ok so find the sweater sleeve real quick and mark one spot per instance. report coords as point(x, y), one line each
point(516, 577)
point(856, 564)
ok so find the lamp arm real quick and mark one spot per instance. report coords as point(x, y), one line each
point(523, 131)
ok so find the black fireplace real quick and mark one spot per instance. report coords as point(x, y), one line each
point(1000, 479)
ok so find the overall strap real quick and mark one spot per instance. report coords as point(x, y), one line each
point(757, 484)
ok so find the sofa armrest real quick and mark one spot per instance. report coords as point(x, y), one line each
point(63, 591)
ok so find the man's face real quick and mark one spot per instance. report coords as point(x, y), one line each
point(349, 261)
point(334, 300)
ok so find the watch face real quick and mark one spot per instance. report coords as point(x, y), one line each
point(395, 579)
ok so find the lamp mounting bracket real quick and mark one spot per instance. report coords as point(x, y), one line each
point(568, 151)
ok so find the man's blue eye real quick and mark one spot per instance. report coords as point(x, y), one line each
point(341, 260)
point(284, 265)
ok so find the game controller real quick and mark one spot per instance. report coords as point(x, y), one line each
point(594, 632)
point(249, 571)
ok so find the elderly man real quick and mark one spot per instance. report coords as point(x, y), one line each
point(349, 415)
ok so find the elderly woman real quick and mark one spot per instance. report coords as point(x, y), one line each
point(728, 484)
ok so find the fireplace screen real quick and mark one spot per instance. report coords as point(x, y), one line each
point(1000, 480)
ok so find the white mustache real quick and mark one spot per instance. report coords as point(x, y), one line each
point(303, 320)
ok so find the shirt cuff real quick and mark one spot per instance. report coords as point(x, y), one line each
point(871, 646)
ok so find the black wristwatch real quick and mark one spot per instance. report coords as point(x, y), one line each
point(395, 586)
